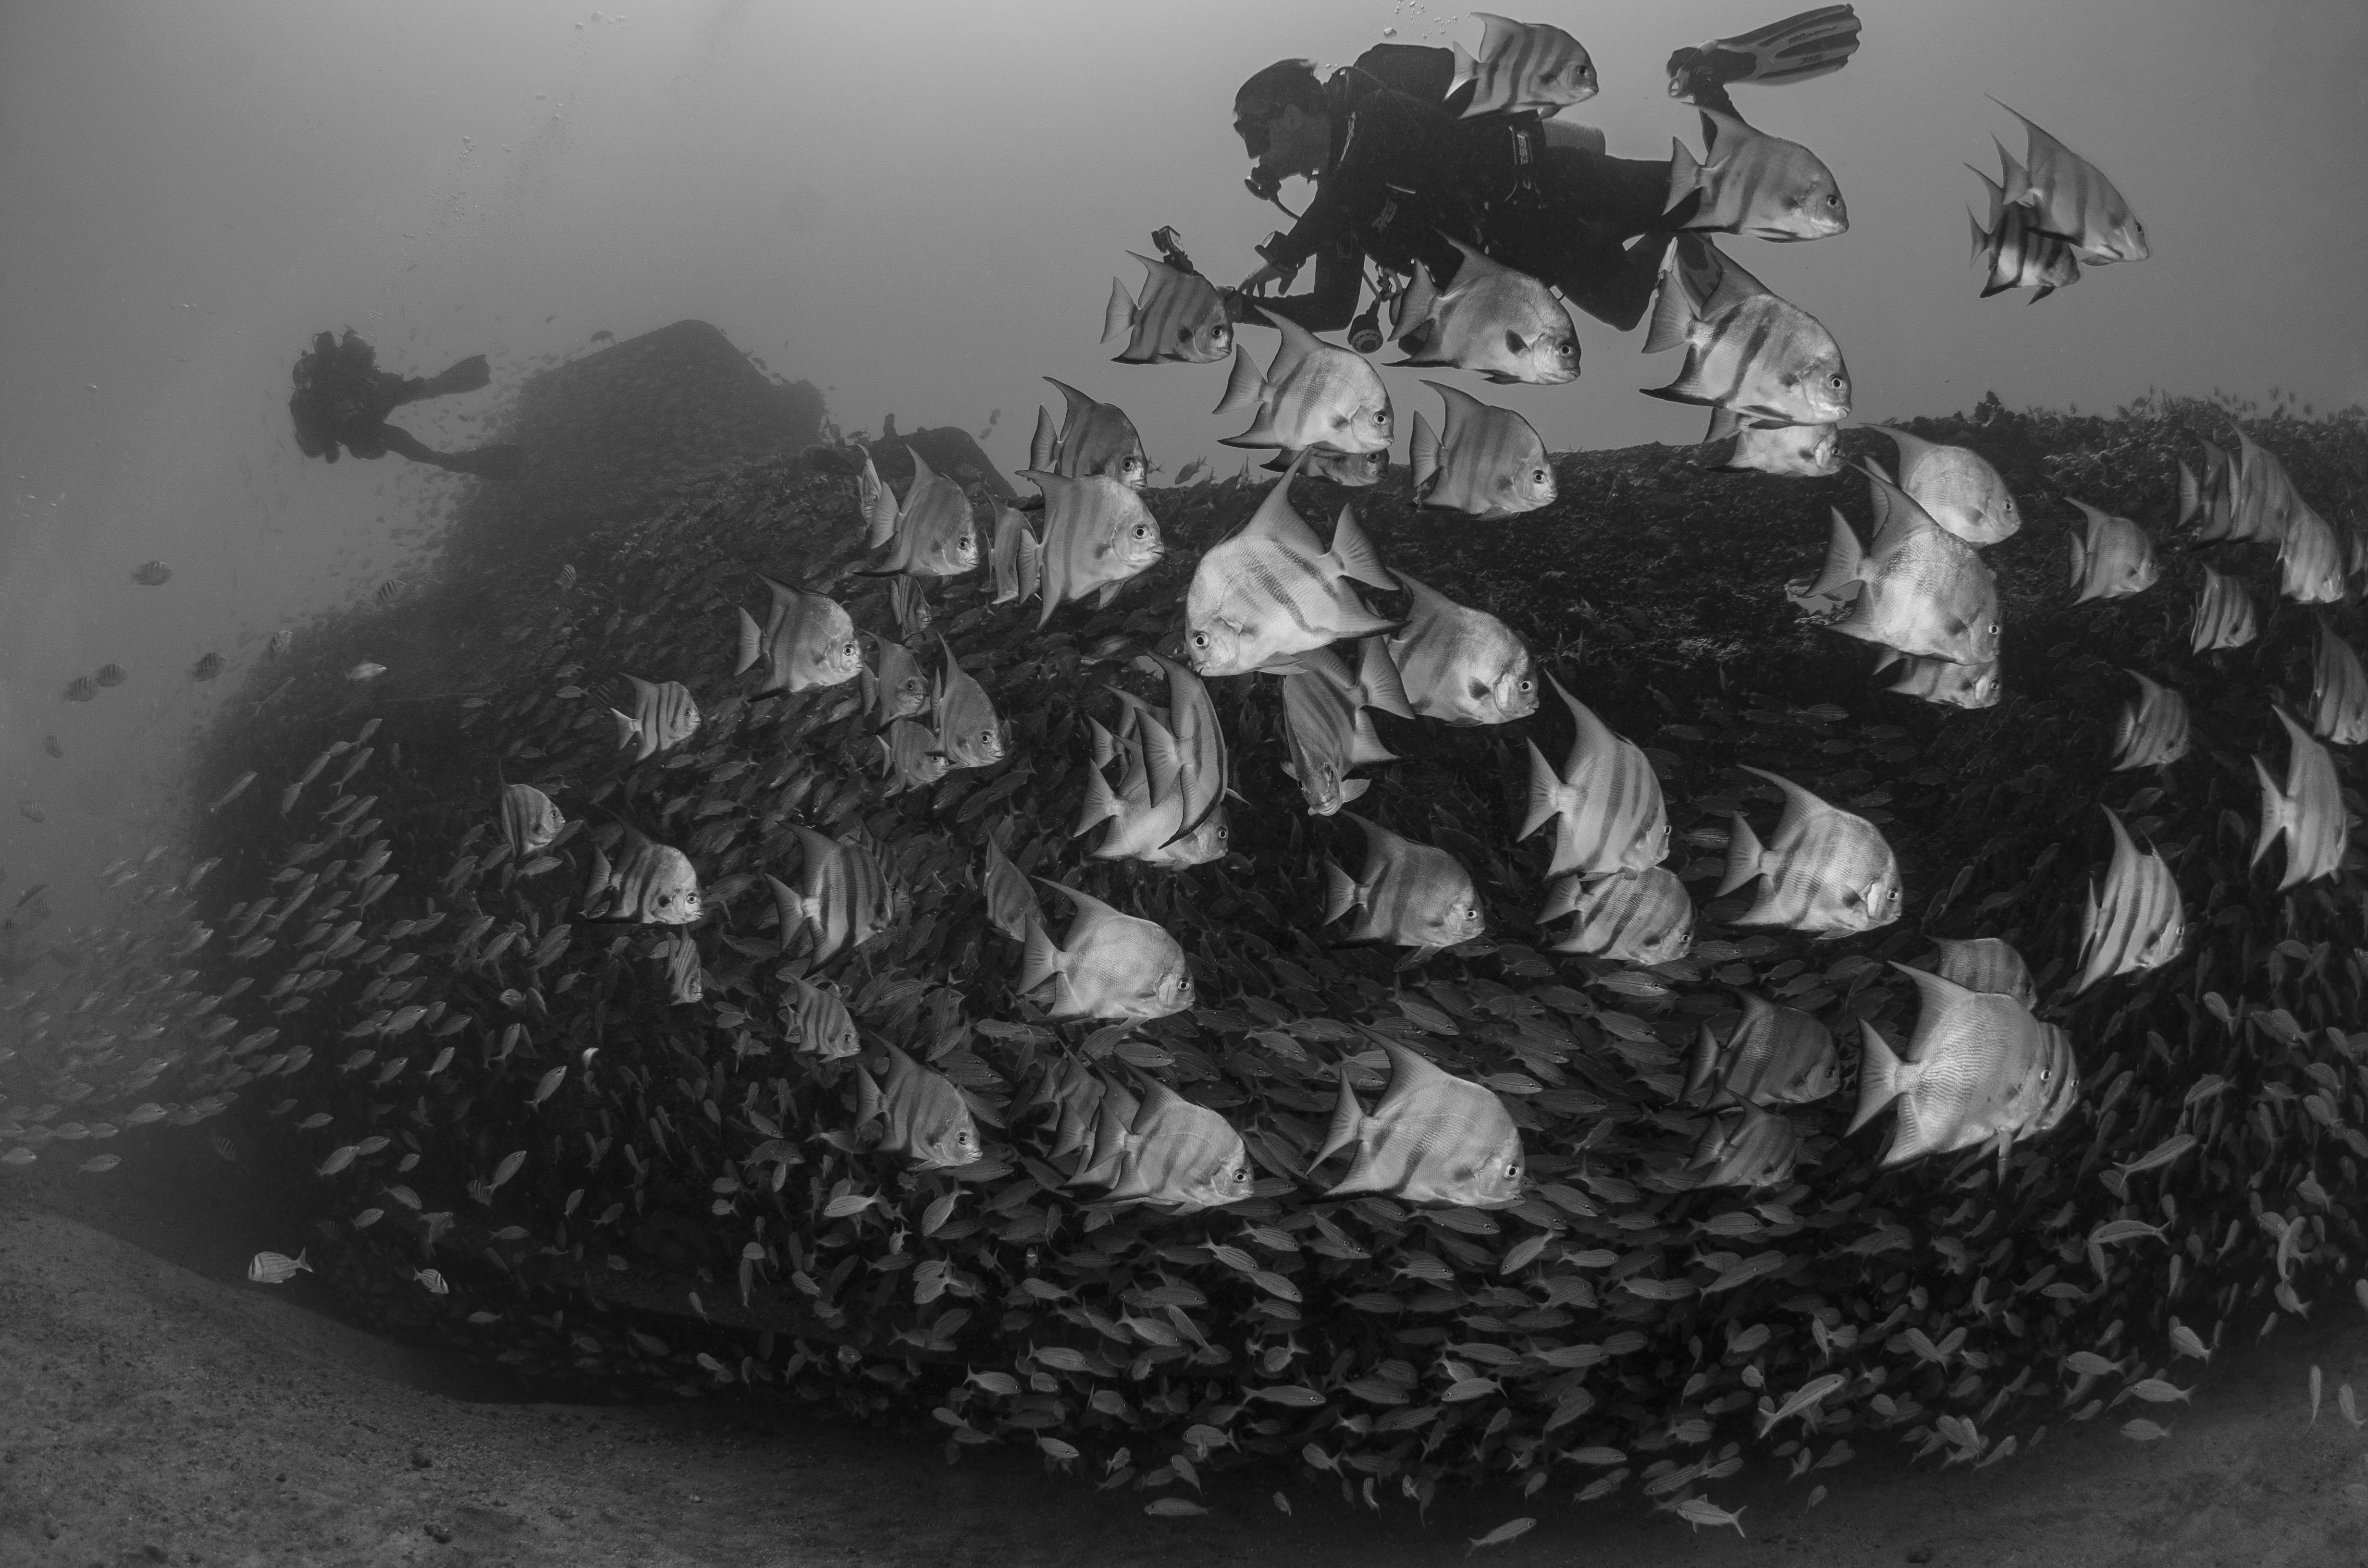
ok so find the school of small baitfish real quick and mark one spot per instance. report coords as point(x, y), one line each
point(757, 980)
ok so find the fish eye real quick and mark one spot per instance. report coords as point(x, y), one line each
point(1834, 381)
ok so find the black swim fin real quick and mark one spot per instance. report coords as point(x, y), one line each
point(496, 462)
point(471, 374)
point(1799, 47)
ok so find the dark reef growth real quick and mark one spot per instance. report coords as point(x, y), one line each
point(695, 1208)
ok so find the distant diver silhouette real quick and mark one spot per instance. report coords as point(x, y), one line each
point(342, 399)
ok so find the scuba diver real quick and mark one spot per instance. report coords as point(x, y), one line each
point(1397, 171)
point(343, 398)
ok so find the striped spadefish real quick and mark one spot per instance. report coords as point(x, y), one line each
point(2339, 690)
point(2308, 813)
point(2153, 731)
point(1638, 917)
point(2136, 920)
point(2225, 615)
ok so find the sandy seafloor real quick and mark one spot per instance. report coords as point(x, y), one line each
point(154, 1407)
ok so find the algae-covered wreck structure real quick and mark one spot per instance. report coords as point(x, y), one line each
point(626, 1155)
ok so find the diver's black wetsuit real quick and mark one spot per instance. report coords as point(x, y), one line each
point(343, 398)
point(1405, 171)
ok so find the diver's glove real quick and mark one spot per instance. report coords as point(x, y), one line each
point(1793, 49)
